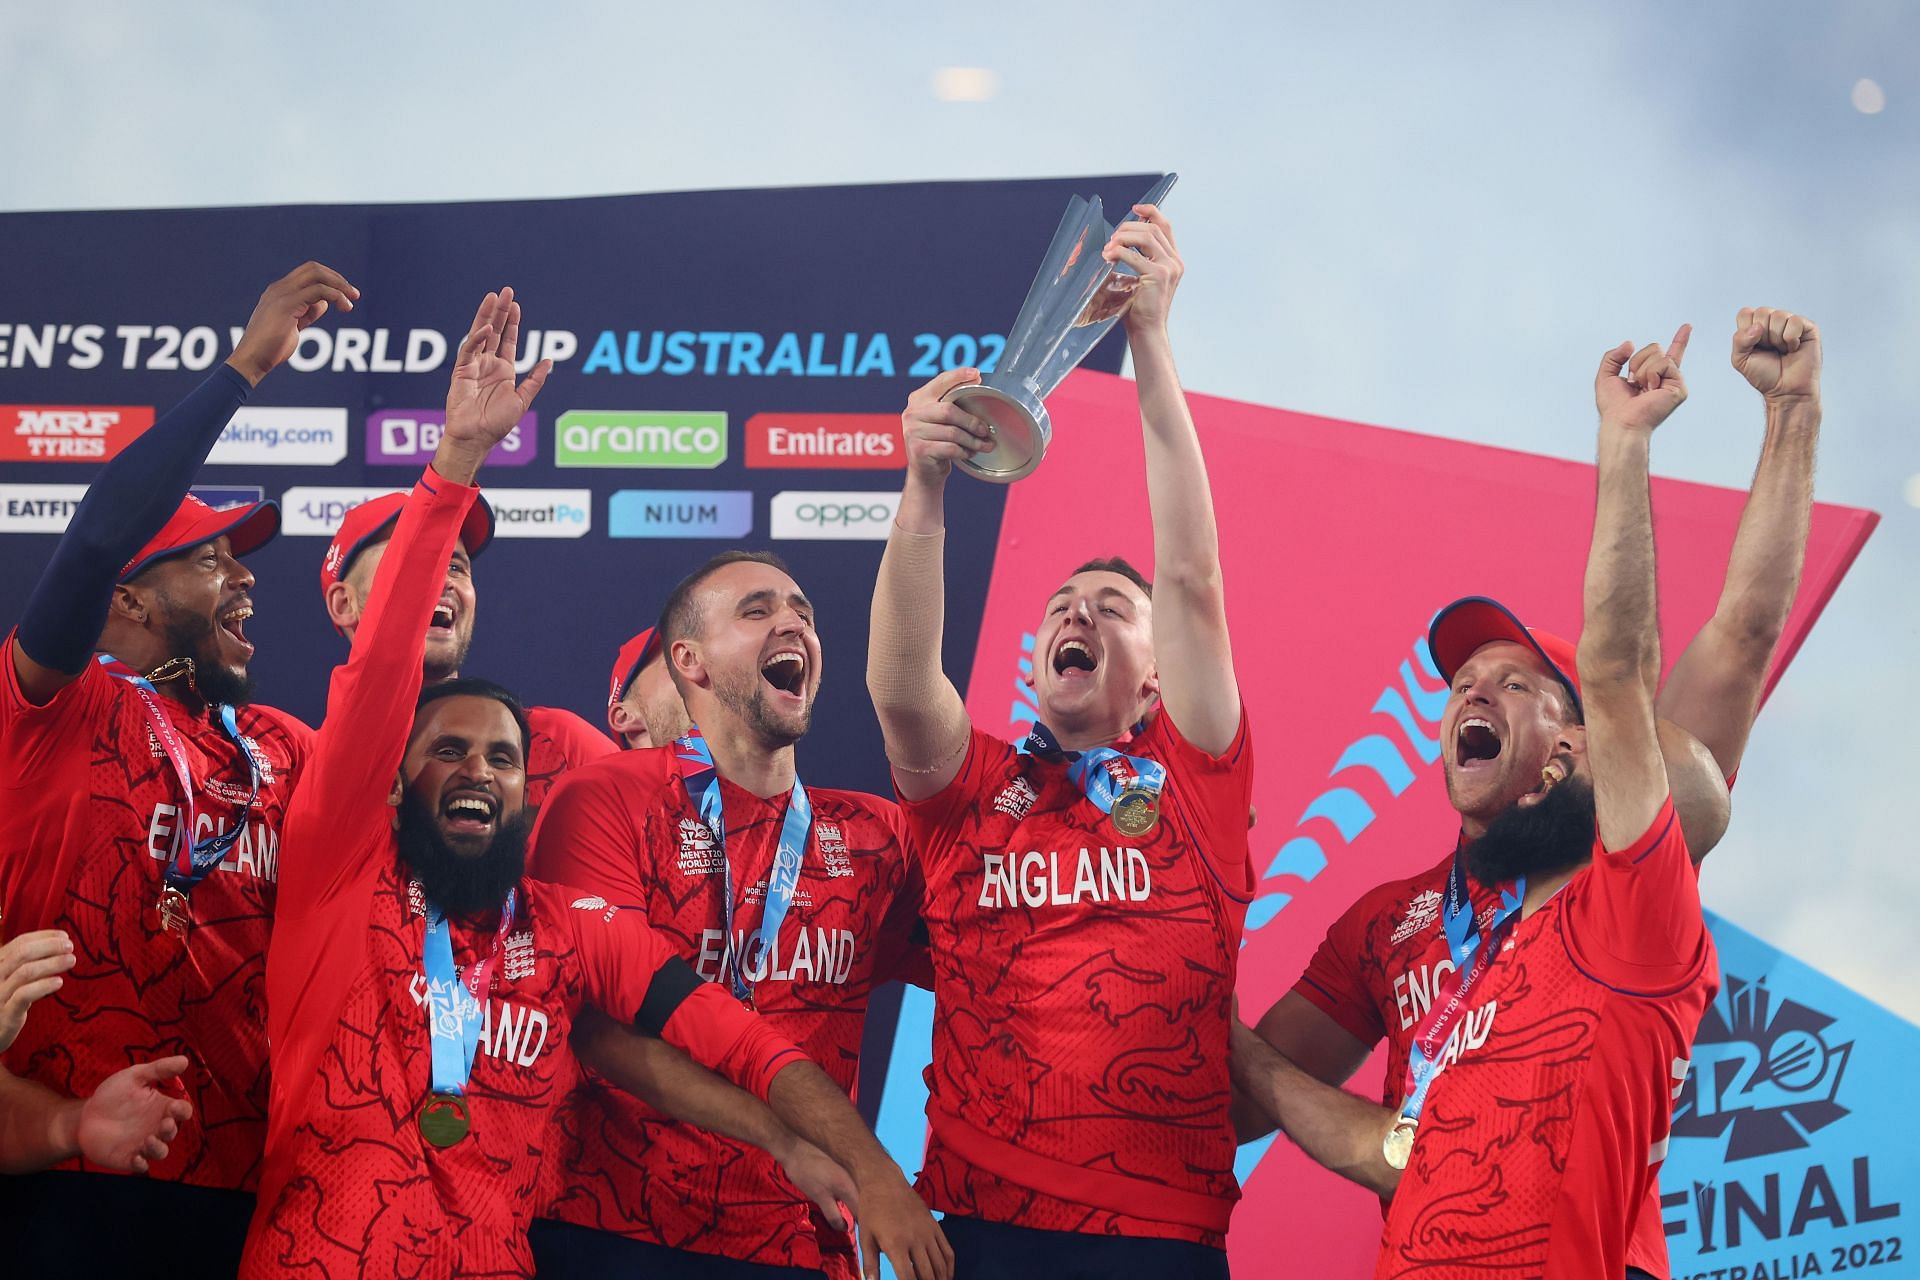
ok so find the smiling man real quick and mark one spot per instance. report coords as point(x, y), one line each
point(142, 813)
point(796, 900)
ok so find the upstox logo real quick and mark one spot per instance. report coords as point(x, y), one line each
point(631, 438)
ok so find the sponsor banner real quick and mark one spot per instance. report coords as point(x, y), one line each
point(840, 440)
point(680, 513)
point(408, 437)
point(541, 513)
point(1792, 1151)
point(279, 437)
point(315, 511)
point(224, 496)
point(38, 508)
point(633, 438)
point(69, 432)
point(840, 516)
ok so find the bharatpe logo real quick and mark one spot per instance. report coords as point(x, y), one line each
point(408, 437)
point(1766, 1073)
point(631, 438)
point(274, 437)
point(833, 516)
point(541, 513)
point(680, 513)
point(839, 440)
point(69, 432)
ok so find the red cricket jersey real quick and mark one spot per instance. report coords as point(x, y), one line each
point(1539, 1149)
point(1082, 985)
point(90, 811)
point(561, 741)
point(625, 829)
point(350, 1187)
point(1375, 974)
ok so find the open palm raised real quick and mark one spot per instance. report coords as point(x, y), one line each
point(483, 404)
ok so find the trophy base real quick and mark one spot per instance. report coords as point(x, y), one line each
point(1020, 426)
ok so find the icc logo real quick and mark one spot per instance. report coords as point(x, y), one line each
point(1766, 1072)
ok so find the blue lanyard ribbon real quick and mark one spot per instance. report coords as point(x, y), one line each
point(195, 859)
point(1472, 954)
point(454, 1012)
point(1103, 773)
point(702, 781)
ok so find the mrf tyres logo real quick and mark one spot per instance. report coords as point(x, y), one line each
point(634, 438)
point(1767, 1074)
point(69, 432)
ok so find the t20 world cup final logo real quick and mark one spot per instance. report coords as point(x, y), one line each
point(1766, 1071)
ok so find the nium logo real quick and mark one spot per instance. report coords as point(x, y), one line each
point(632, 438)
point(839, 440)
point(283, 438)
point(69, 432)
point(38, 508)
point(836, 516)
point(408, 437)
point(317, 510)
point(541, 513)
point(680, 513)
point(1769, 1073)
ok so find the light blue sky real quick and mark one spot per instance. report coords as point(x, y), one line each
point(1430, 217)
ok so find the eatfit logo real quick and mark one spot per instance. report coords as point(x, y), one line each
point(839, 440)
point(634, 438)
point(1766, 1072)
point(69, 432)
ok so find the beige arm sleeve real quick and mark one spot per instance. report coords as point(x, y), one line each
point(922, 717)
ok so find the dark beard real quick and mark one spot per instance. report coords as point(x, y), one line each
point(1537, 839)
point(461, 884)
point(191, 636)
point(751, 707)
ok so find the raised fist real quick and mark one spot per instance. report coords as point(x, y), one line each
point(1778, 352)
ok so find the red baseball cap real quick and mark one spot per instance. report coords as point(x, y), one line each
point(1466, 624)
point(248, 528)
point(373, 520)
point(633, 655)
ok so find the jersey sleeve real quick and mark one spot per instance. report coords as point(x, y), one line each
point(1634, 921)
point(932, 823)
point(904, 948)
point(575, 742)
point(1221, 791)
point(37, 740)
point(631, 973)
point(342, 802)
point(1332, 982)
point(589, 834)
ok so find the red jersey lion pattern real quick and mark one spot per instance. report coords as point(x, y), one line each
point(89, 813)
point(1083, 980)
point(559, 743)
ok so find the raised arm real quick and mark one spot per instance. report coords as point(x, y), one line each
point(137, 492)
point(1714, 689)
point(922, 717)
point(1619, 654)
point(1190, 644)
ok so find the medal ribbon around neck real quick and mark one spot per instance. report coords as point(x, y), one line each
point(1472, 954)
point(454, 1011)
point(194, 859)
point(702, 780)
point(1091, 771)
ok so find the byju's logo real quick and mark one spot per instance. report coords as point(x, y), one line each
point(69, 432)
point(283, 438)
point(541, 513)
point(317, 510)
point(836, 516)
point(680, 513)
point(1769, 1073)
point(622, 438)
point(408, 437)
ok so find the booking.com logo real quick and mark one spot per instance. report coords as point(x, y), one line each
point(834, 516)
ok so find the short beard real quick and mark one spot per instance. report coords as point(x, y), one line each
point(462, 884)
point(434, 672)
point(1537, 839)
point(751, 707)
point(192, 637)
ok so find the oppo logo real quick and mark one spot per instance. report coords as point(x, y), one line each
point(833, 515)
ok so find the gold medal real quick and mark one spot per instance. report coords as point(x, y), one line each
point(1136, 812)
point(176, 913)
point(443, 1119)
point(1398, 1148)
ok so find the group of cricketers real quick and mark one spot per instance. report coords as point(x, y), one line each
point(454, 986)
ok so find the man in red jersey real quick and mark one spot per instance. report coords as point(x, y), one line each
point(1085, 893)
point(1374, 975)
point(561, 740)
point(796, 899)
point(1536, 1098)
point(142, 815)
point(643, 706)
point(407, 941)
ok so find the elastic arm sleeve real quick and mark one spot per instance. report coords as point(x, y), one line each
point(921, 715)
point(129, 502)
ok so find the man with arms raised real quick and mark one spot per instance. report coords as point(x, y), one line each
point(1538, 1097)
point(1085, 892)
point(1374, 975)
point(407, 941)
point(141, 815)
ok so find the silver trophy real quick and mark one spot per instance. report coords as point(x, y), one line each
point(1076, 297)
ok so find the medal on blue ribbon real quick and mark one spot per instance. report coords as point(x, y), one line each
point(454, 1019)
point(1125, 788)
